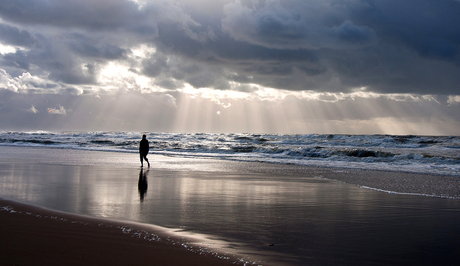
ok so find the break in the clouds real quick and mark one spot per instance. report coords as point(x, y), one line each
point(193, 65)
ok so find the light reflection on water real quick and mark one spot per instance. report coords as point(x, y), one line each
point(310, 220)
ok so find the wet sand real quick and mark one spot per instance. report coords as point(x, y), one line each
point(403, 183)
point(36, 236)
point(395, 182)
point(263, 213)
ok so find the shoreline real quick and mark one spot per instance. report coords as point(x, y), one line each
point(202, 205)
point(32, 235)
point(401, 183)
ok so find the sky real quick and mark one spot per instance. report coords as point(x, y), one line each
point(231, 66)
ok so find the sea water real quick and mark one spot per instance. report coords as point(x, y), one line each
point(416, 154)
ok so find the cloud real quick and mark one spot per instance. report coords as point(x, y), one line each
point(223, 104)
point(425, 26)
point(100, 15)
point(88, 47)
point(398, 51)
point(33, 110)
point(273, 26)
point(13, 36)
point(28, 83)
point(57, 111)
point(268, 110)
point(296, 45)
point(453, 100)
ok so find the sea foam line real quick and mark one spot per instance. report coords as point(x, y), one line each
point(410, 193)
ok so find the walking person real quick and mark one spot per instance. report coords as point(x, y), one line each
point(144, 150)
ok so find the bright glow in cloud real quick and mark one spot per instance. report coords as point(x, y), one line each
point(27, 82)
point(115, 76)
point(453, 99)
point(143, 51)
point(7, 49)
point(270, 94)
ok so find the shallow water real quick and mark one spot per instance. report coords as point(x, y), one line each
point(295, 217)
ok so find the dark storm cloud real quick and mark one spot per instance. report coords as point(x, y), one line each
point(89, 47)
point(18, 60)
point(14, 36)
point(97, 15)
point(153, 67)
point(429, 27)
point(275, 26)
point(387, 46)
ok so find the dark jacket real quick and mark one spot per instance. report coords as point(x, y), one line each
point(144, 146)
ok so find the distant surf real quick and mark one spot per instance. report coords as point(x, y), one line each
point(439, 155)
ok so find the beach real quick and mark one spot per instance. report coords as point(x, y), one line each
point(100, 207)
point(36, 236)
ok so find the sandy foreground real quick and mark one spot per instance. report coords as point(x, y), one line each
point(35, 236)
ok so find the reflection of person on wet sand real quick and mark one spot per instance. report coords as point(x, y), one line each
point(142, 185)
point(144, 150)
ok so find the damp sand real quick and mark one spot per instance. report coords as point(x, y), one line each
point(219, 212)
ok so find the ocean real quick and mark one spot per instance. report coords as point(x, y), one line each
point(438, 155)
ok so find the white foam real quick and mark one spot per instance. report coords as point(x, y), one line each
point(411, 194)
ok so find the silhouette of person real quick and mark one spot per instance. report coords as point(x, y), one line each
point(142, 185)
point(144, 150)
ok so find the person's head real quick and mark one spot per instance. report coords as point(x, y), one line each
point(144, 136)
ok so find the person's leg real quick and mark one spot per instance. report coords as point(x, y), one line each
point(147, 160)
point(142, 162)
